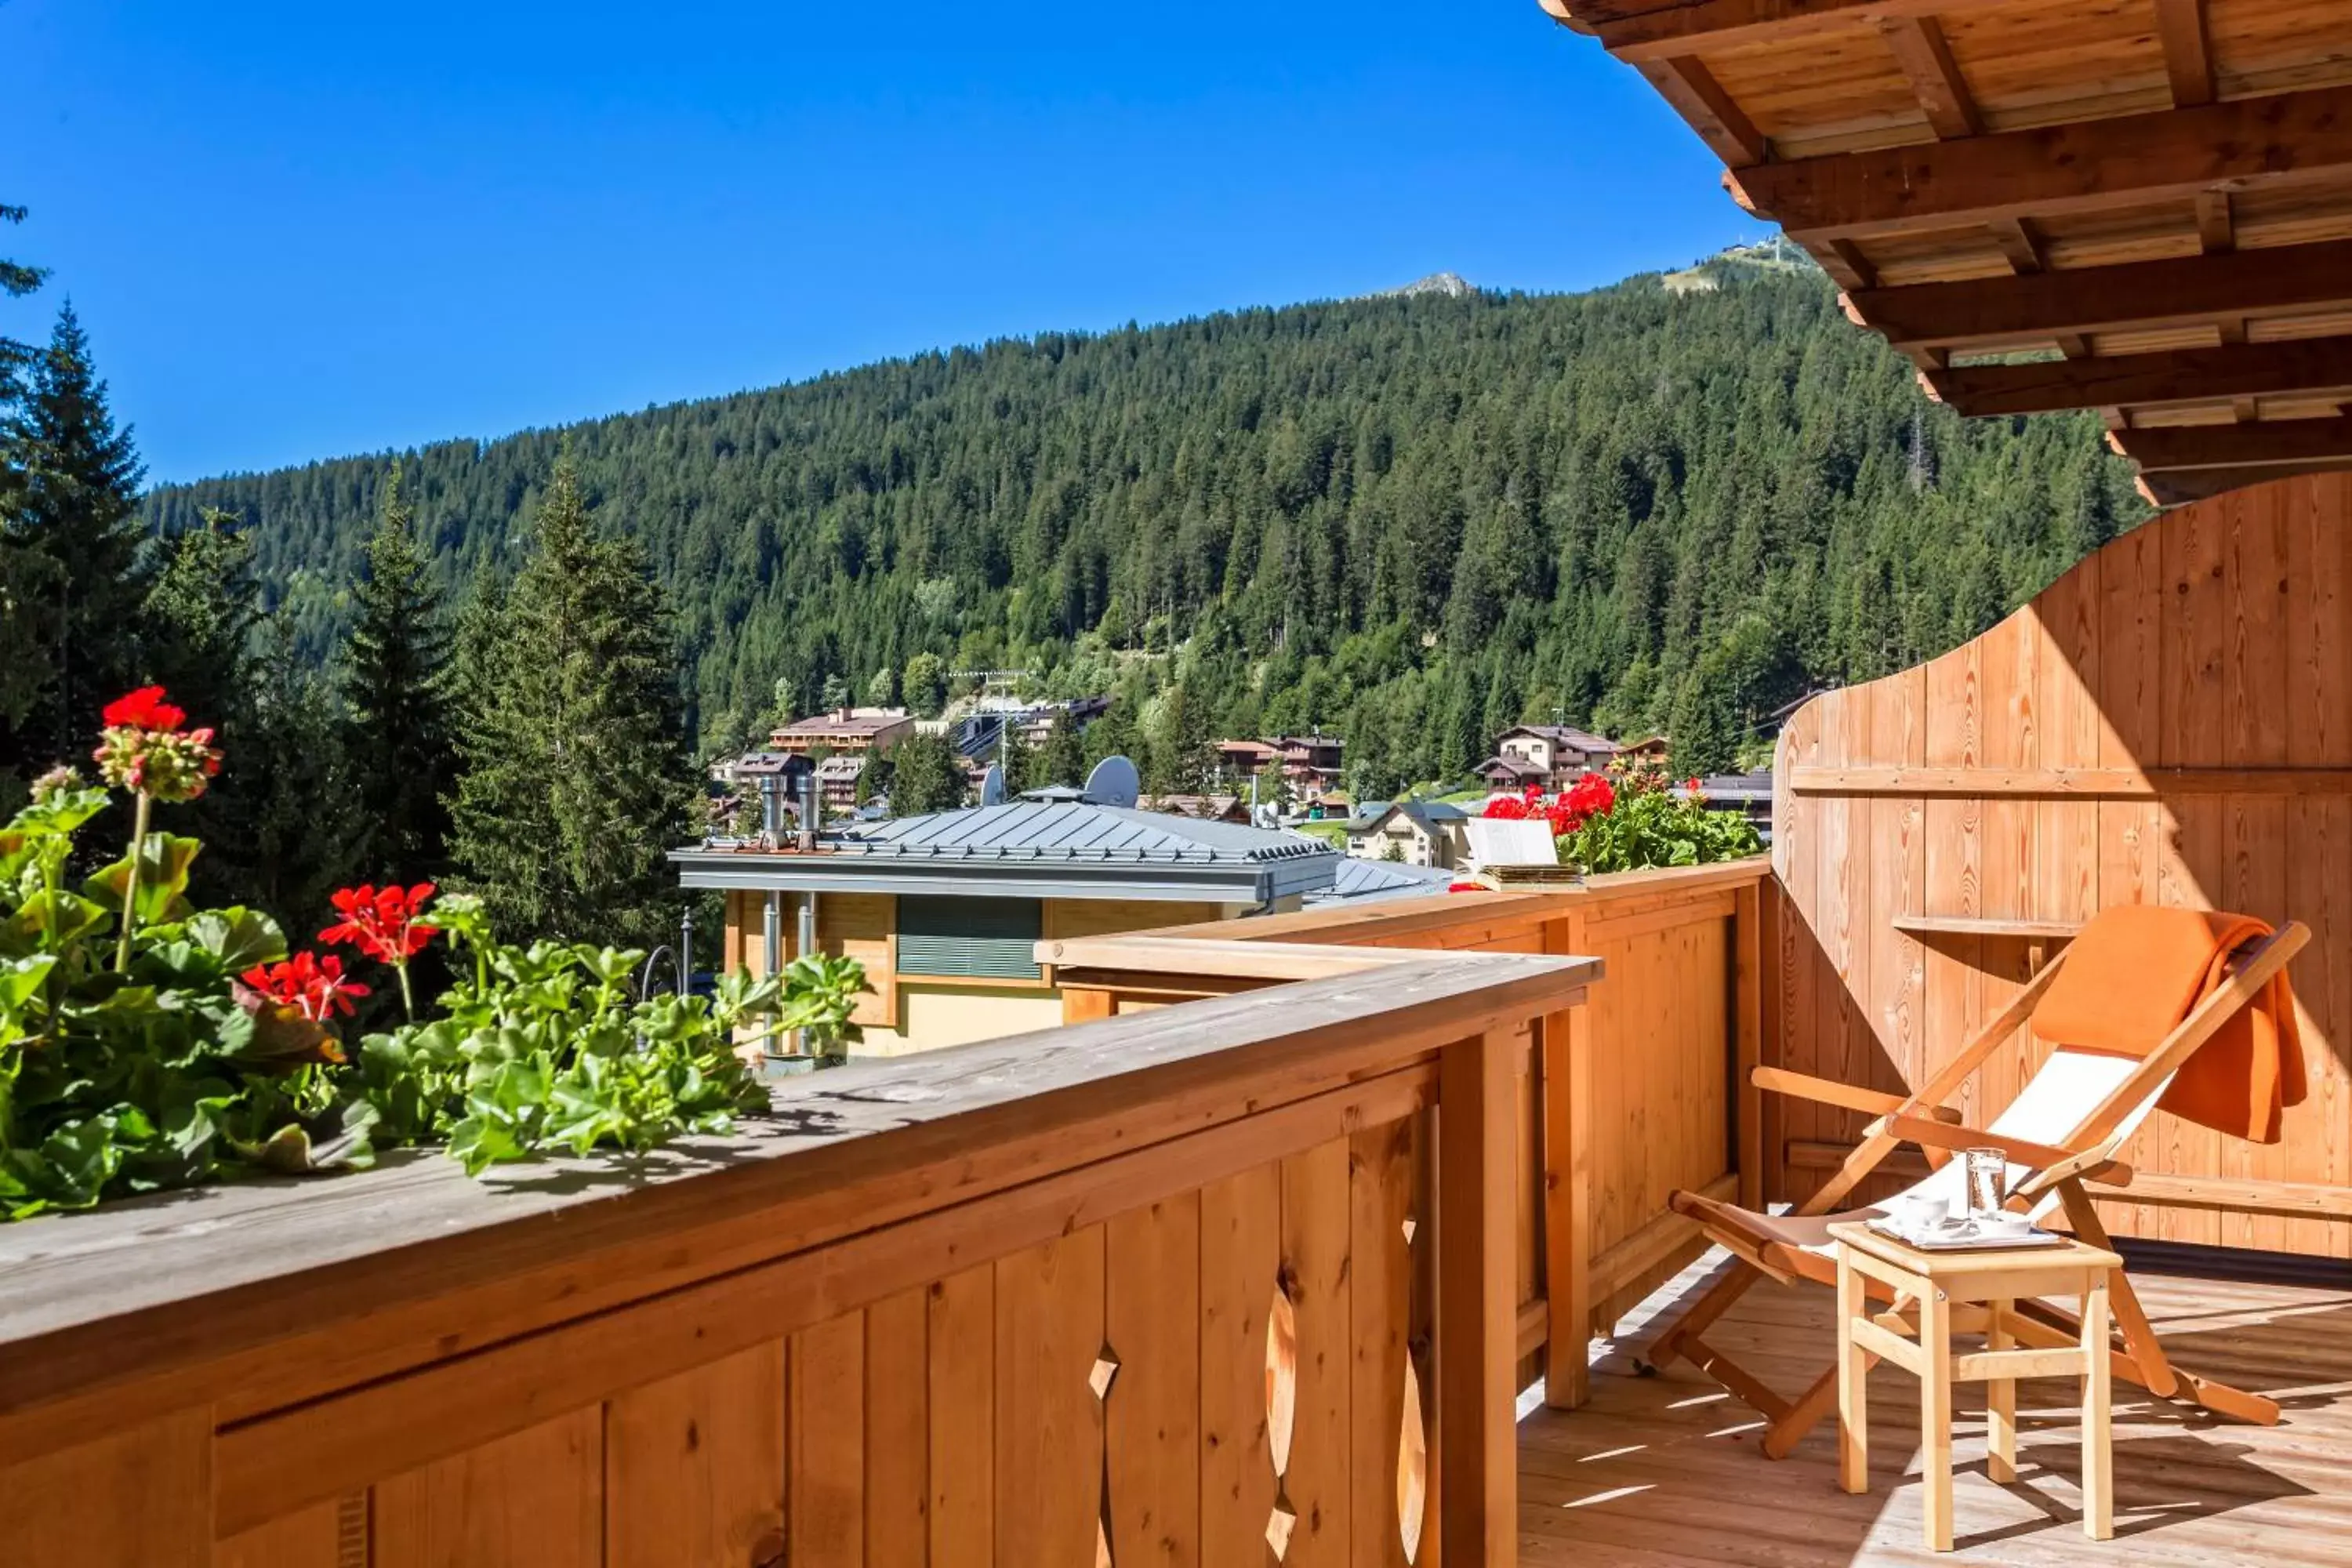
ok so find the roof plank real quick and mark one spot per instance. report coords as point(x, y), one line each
point(2086, 165)
point(2126, 297)
point(2262, 445)
point(1918, 46)
point(1645, 30)
point(2123, 381)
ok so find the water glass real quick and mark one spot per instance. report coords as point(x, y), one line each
point(1987, 1180)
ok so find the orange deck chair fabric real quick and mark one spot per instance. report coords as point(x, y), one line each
point(2136, 970)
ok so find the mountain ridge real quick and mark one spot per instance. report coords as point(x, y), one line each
point(1414, 518)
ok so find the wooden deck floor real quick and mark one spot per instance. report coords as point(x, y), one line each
point(1665, 1472)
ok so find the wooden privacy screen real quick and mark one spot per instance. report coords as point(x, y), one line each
point(1162, 1290)
point(2168, 722)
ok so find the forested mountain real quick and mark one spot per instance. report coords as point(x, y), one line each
point(1409, 520)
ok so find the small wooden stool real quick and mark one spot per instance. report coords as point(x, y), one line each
point(1973, 1290)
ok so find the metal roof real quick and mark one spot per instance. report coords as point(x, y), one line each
point(1076, 830)
point(1038, 849)
point(1360, 880)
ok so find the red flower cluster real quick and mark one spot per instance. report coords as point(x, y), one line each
point(314, 985)
point(383, 923)
point(1591, 795)
point(143, 710)
point(145, 751)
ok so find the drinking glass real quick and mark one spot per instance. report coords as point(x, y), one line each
point(1987, 1178)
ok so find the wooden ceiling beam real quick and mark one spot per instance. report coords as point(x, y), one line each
point(2021, 245)
point(2086, 166)
point(2181, 486)
point(1848, 267)
point(2266, 445)
point(1698, 98)
point(1918, 46)
point(1647, 30)
point(2188, 51)
point(2128, 381)
point(2217, 221)
point(2131, 296)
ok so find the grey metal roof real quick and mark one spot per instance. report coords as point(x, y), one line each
point(1429, 813)
point(1076, 830)
point(1360, 880)
point(1039, 849)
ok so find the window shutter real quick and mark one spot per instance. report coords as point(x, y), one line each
point(978, 938)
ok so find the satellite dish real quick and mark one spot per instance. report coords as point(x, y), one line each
point(1114, 782)
point(992, 785)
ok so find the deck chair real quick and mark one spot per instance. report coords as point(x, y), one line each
point(2063, 1130)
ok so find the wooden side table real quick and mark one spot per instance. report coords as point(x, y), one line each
point(1970, 1292)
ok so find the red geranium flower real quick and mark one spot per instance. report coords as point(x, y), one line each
point(143, 710)
point(1507, 808)
point(306, 981)
point(383, 923)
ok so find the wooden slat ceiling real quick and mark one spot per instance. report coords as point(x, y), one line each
point(2141, 206)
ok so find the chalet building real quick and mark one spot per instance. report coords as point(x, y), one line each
point(1311, 763)
point(1416, 832)
point(1545, 756)
point(846, 730)
point(1207, 808)
point(1245, 759)
point(946, 910)
point(838, 776)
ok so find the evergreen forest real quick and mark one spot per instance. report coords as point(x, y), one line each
point(1410, 522)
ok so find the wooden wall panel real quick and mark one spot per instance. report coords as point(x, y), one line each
point(963, 1324)
point(1152, 1310)
point(1241, 1268)
point(2214, 641)
point(824, 1508)
point(694, 1466)
point(899, 1429)
point(139, 1498)
point(534, 1500)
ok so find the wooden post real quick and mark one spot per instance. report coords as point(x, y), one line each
point(1748, 1040)
point(1083, 1005)
point(1477, 1338)
point(1567, 1195)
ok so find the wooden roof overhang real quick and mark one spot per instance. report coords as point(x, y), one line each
point(2141, 206)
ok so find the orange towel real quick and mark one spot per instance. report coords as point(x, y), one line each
point(2136, 970)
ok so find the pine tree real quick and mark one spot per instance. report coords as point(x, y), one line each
point(1064, 760)
point(575, 782)
point(298, 819)
point(924, 776)
point(17, 280)
point(76, 502)
point(397, 729)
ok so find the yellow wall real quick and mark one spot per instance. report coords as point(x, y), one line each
point(921, 1012)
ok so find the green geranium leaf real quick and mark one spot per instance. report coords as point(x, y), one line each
point(163, 862)
point(237, 938)
point(21, 979)
point(52, 920)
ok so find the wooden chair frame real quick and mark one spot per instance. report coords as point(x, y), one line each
point(1923, 1119)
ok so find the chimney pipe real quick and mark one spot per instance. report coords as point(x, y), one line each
point(808, 811)
point(771, 807)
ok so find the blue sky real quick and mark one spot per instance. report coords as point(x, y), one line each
point(299, 230)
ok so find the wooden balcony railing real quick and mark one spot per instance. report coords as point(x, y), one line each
point(1642, 1090)
point(1182, 1285)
